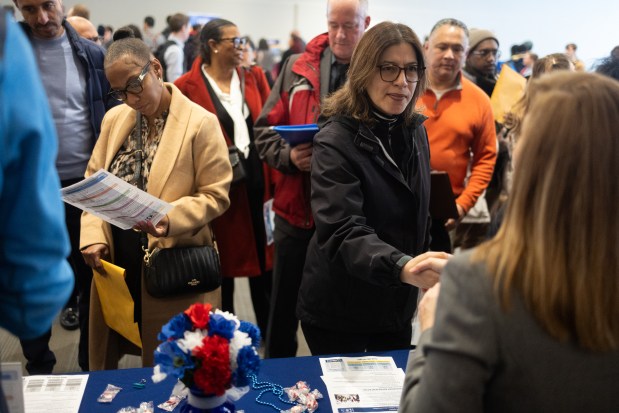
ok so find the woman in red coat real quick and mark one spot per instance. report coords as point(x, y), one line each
point(218, 83)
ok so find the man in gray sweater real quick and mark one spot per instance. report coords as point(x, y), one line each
point(71, 69)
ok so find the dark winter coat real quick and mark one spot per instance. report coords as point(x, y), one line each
point(371, 218)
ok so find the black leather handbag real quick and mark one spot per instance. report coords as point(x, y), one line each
point(176, 271)
point(170, 272)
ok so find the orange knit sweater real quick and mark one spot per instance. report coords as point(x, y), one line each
point(460, 129)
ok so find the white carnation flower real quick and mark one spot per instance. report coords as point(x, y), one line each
point(239, 340)
point(192, 340)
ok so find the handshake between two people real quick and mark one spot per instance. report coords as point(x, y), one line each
point(424, 271)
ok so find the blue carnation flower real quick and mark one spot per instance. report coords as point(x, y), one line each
point(175, 328)
point(219, 325)
point(252, 331)
point(172, 360)
point(248, 363)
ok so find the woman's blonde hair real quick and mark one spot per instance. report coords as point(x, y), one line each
point(550, 63)
point(558, 246)
point(352, 98)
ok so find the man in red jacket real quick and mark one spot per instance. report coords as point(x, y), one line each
point(305, 79)
point(460, 123)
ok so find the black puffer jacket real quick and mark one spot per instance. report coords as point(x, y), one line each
point(370, 219)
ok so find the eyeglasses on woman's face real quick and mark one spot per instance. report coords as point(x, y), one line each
point(238, 42)
point(134, 86)
point(390, 72)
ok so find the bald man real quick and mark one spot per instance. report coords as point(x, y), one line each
point(79, 10)
point(304, 80)
point(84, 28)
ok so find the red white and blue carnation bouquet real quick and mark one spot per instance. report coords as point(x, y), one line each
point(211, 352)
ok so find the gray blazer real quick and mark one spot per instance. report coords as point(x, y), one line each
point(478, 358)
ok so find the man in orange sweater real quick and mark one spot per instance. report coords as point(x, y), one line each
point(460, 123)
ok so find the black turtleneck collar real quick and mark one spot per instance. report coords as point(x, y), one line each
point(390, 121)
point(382, 117)
point(387, 131)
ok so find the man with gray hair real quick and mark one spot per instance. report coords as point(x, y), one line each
point(304, 80)
point(460, 124)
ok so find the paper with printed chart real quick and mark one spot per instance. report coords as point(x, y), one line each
point(54, 394)
point(362, 384)
point(114, 200)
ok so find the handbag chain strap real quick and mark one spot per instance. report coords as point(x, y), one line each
point(140, 179)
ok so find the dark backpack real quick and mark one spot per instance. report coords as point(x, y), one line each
point(160, 55)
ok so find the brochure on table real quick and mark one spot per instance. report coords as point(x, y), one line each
point(362, 384)
point(51, 394)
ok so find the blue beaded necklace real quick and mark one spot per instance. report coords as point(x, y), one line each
point(265, 387)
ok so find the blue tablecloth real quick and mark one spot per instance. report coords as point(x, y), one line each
point(285, 372)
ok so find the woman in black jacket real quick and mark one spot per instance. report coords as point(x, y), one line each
point(370, 197)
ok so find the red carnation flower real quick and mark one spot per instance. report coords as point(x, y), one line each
point(213, 375)
point(199, 314)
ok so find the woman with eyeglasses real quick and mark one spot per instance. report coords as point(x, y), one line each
point(184, 162)
point(219, 83)
point(370, 182)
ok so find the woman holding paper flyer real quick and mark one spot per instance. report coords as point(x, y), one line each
point(370, 178)
point(236, 94)
point(185, 163)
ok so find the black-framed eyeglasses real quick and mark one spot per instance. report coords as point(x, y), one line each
point(237, 41)
point(487, 52)
point(390, 73)
point(134, 86)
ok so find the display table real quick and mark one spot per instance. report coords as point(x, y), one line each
point(284, 371)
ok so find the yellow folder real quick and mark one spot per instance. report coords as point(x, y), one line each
point(508, 90)
point(116, 302)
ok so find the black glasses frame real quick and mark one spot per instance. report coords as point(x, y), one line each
point(387, 78)
point(237, 41)
point(134, 86)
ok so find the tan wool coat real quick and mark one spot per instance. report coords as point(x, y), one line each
point(191, 171)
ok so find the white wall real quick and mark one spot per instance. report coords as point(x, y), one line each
point(549, 24)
